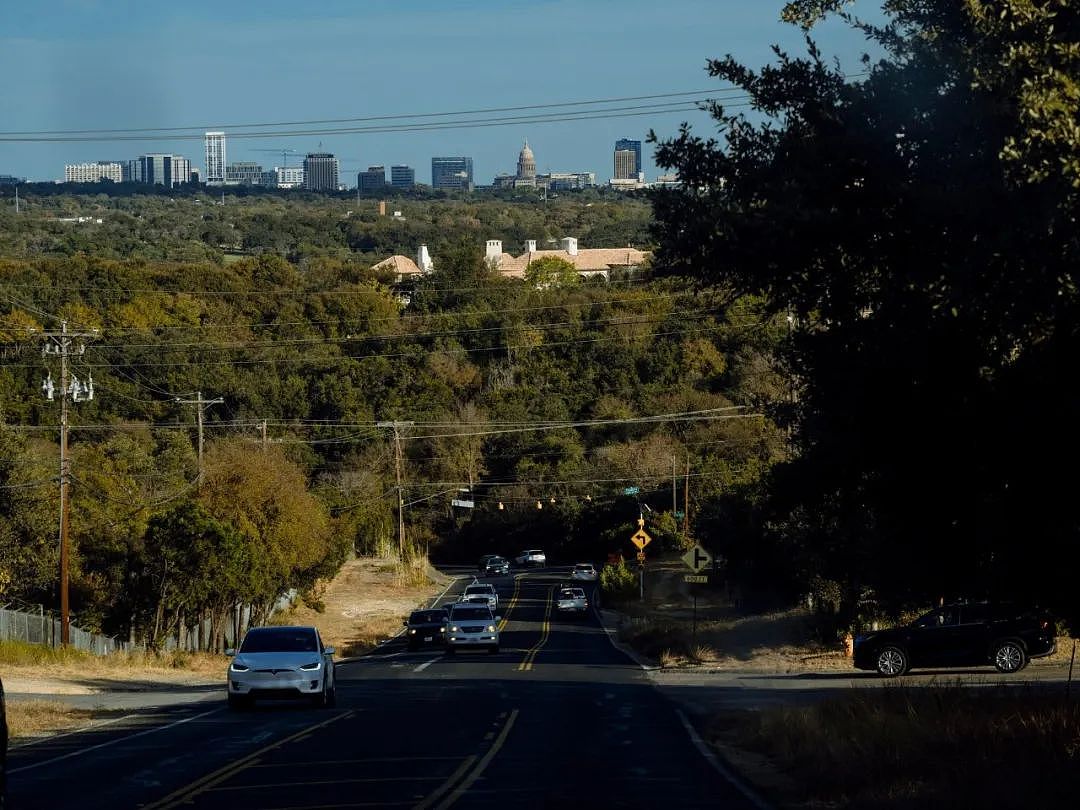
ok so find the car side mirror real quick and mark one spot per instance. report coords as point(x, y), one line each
point(230, 651)
point(328, 650)
point(405, 623)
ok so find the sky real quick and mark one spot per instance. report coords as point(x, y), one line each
point(203, 64)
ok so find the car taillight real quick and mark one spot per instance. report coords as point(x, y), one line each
point(1044, 624)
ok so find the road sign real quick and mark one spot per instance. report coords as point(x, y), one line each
point(697, 558)
point(640, 538)
point(641, 556)
point(698, 578)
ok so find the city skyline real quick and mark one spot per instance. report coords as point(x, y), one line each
point(191, 69)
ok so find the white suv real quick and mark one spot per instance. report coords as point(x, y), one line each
point(533, 556)
point(472, 625)
point(482, 589)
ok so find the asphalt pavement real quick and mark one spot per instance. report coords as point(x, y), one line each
point(557, 717)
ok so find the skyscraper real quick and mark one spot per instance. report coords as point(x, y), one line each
point(452, 173)
point(371, 180)
point(160, 169)
point(627, 169)
point(215, 158)
point(402, 176)
point(320, 172)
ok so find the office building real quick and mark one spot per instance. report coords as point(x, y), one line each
point(374, 179)
point(284, 177)
point(11, 180)
point(452, 173)
point(94, 172)
point(320, 172)
point(402, 176)
point(244, 174)
point(215, 158)
point(628, 167)
point(159, 169)
point(567, 181)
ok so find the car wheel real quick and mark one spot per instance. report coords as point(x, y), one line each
point(331, 696)
point(494, 649)
point(1009, 657)
point(892, 662)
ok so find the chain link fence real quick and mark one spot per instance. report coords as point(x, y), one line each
point(36, 628)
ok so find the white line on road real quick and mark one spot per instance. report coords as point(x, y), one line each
point(720, 767)
point(425, 665)
point(82, 751)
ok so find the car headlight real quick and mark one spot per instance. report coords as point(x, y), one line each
point(312, 666)
point(412, 631)
point(442, 629)
point(454, 629)
point(236, 666)
point(491, 628)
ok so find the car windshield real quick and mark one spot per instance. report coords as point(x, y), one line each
point(279, 640)
point(566, 595)
point(426, 616)
point(470, 614)
point(482, 590)
point(583, 567)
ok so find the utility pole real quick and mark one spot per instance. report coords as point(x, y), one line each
point(686, 499)
point(674, 497)
point(61, 344)
point(397, 471)
point(264, 444)
point(16, 199)
point(200, 406)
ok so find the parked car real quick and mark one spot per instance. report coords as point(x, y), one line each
point(961, 634)
point(572, 601)
point(281, 662)
point(531, 557)
point(425, 627)
point(583, 572)
point(3, 747)
point(482, 589)
point(472, 625)
point(496, 567)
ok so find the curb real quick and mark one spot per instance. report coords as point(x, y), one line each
point(612, 632)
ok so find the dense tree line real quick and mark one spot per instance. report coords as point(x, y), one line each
point(538, 399)
point(918, 225)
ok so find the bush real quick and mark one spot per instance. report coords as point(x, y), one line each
point(618, 581)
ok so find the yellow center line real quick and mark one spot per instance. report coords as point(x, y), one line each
point(510, 607)
point(527, 662)
point(185, 794)
point(451, 780)
point(482, 764)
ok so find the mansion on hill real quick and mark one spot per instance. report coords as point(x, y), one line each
point(590, 262)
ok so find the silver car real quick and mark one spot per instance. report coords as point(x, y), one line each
point(281, 662)
point(472, 625)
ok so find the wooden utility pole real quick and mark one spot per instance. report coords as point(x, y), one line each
point(62, 344)
point(674, 497)
point(686, 499)
point(264, 445)
point(200, 406)
point(398, 475)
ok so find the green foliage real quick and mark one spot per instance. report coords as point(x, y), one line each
point(618, 581)
point(548, 271)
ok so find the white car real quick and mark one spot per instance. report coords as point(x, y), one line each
point(472, 625)
point(572, 601)
point(583, 572)
point(482, 589)
point(532, 556)
point(281, 662)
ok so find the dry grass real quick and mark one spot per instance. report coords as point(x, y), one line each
point(36, 718)
point(26, 660)
point(944, 745)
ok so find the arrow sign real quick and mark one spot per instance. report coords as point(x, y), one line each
point(697, 558)
point(640, 539)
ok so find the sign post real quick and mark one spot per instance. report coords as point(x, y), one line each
point(641, 539)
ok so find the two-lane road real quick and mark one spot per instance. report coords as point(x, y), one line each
point(557, 716)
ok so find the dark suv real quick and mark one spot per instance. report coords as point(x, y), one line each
point(497, 566)
point(960, 635)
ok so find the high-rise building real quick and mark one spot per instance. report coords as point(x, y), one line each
point(402, 176)
point(94, 172)
point(627, 168)
point(452, 173)
point(371, 180)
point(320, 172)
point(245, 173)
point(215, 158)
point(160, 169)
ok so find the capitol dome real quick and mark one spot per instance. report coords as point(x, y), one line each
point(526, 165)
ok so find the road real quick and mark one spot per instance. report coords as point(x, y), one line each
point(558, 717)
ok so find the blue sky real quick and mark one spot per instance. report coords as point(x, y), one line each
point(119, 64)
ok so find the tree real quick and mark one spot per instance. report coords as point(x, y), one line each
point(549, 271)
point(918, 228)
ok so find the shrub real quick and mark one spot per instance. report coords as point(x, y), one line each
point(618, 581)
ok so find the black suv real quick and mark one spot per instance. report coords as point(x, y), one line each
point(496, 566)
point(959, 635)
point(425, 627)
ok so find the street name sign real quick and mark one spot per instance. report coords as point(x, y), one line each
point(699, 578)
point(697, 558)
